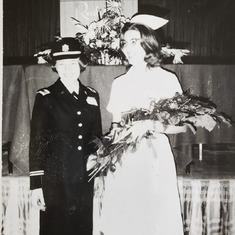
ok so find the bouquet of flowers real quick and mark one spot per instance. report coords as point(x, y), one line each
point(181, 110)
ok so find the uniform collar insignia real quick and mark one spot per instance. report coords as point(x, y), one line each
point(65, 48)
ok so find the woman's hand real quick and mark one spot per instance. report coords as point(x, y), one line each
point(159, 127)
point(168, 129)
point(155, 126)
point(91, 162)
point(171, 129)
point(115, 129)
point(140, 128)
point(37, 199)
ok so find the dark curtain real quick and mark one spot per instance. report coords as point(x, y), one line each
point(28, 25)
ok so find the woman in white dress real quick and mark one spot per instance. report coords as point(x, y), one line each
point(141, 196)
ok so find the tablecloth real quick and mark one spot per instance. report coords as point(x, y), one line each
point(208, 207)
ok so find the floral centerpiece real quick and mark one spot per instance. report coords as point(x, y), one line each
point(181, 110)
point(100, 39)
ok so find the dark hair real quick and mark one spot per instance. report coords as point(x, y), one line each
point(149, 41)
point(82, 61)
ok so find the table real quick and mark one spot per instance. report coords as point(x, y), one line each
point(20, 84)
point(208, 207)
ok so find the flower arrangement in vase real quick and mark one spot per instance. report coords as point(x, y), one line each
point(101, 38)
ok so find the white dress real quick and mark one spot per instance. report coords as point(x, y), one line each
point(141, 197)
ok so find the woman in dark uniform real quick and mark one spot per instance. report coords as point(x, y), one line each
point(65, 120)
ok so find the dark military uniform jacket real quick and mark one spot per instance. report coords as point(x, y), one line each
point(62, 129)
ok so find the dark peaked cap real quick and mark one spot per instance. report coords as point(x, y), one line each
point(66, 48)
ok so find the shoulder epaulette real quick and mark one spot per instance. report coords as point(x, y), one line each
point(92, 89)
point(44, 92)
